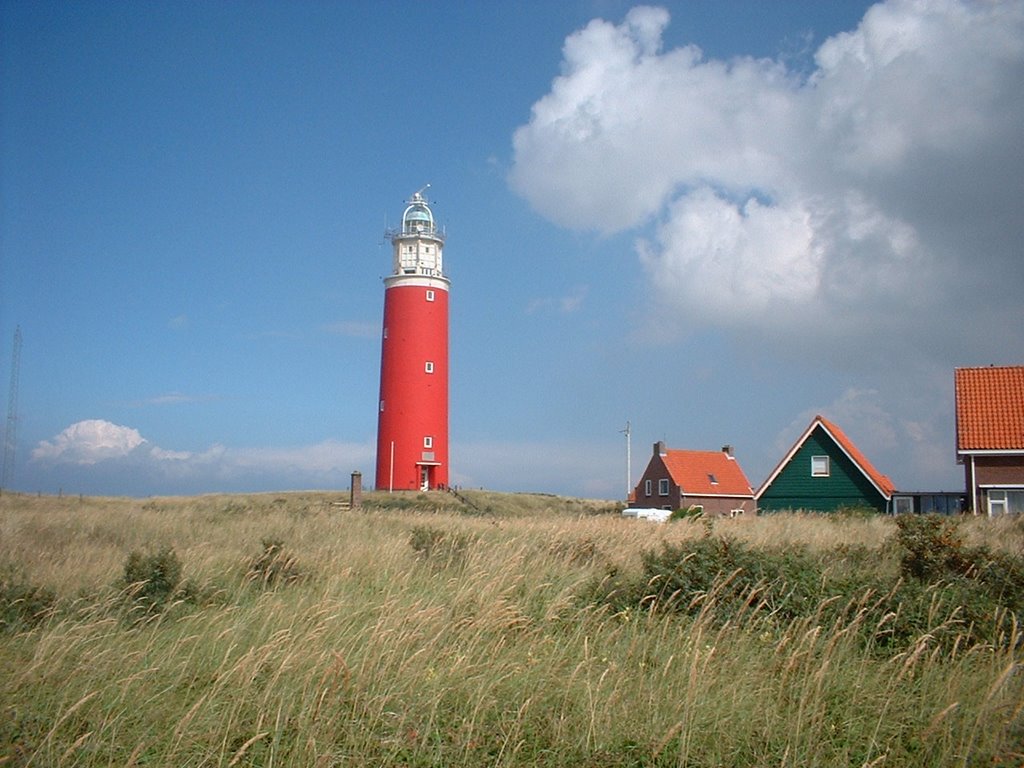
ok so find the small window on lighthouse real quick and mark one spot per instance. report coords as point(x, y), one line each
point(429, 366)
point(382, 406)
point(428, 442)
point(430, 295)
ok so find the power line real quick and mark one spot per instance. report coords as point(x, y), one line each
point(11, 433)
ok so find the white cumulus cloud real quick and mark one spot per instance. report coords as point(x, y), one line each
point(87, 442)
point(854, 204)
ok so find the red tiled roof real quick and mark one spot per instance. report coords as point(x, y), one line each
point(884, 484)
point(990, 408)
point(692, 471)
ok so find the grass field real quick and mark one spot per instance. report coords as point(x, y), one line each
point(280, 630)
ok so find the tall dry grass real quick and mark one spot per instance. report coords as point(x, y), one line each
point(433, 638)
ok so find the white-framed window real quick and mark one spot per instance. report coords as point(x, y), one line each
point(1005, 501)
point(647, 487)
point(712, 479)
point(428, 442)
point(429, 366)
point(663, 487)
point(819, 466)
point(430, 295)
point(996, 502)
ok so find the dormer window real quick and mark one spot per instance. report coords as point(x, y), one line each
point(712, 479)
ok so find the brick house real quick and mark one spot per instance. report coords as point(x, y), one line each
point(990, 437)
point(824, 471)
point(677, 479)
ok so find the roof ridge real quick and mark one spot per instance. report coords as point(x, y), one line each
point(880, 479)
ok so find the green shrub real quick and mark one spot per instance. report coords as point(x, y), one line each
point(154, 579)
point(948, 591)
point(933, 551)
point(932, 547)
point(22, 605)
point(855, 511)
point(690, 513)
point(682, 577)
point(273, 566)
point(986, 588)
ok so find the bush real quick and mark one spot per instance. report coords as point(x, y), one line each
point(934, 552)
point(154, 579)
point(691, 512)
point(272, 566)
point(735, 576)
point(932, 547)
point(986, 587)
point(855, 511)
point(22, 605)
point(951, 592)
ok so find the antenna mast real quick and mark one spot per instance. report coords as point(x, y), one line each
point(629, 476)
point(11, 433)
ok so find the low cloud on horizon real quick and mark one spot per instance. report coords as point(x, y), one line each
point(96, 456)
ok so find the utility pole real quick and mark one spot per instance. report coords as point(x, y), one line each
point(629, 476)
point(11, 433)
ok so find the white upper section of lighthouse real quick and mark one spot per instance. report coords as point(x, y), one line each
point(418, 244)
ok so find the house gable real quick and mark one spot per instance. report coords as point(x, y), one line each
point(677, 479)
point(655, 489)
point(824, 471)
point(990, 437)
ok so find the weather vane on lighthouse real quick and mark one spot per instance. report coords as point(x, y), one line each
point(412, 425)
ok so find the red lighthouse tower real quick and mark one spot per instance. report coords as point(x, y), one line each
point(412, 427)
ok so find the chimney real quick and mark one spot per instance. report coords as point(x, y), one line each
point(659, 448)
point(727, 450)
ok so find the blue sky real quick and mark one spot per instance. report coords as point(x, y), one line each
point(712, 220)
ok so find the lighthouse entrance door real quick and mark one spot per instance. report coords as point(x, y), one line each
point(424, 478)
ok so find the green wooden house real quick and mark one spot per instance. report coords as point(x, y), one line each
point(824, 471)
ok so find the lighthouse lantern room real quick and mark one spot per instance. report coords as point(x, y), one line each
point(412, 425)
